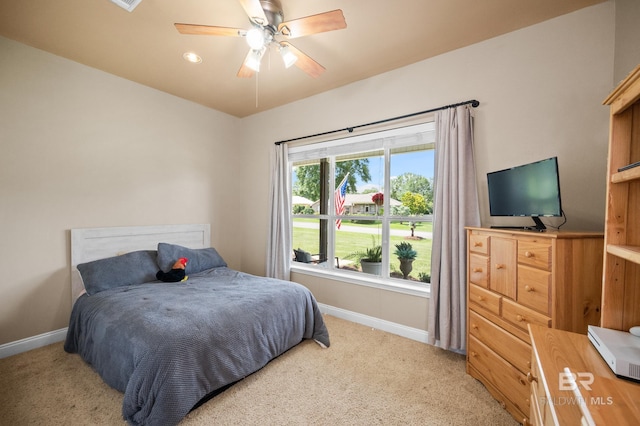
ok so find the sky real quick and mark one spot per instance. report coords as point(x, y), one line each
point(420, 163)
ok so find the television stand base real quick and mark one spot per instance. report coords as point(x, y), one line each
point(519, 228)
point(539, 226)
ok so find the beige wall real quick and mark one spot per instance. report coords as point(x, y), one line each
point(540, 89)
point(82, 148)
point(627, 38)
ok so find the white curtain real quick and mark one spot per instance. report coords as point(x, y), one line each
point(456, 206)
point(279, 242)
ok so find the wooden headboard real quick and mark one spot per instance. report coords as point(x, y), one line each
point(89, 244)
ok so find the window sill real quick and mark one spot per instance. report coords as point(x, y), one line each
point(420, 290)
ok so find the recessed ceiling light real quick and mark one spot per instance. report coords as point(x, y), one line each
point(192, 57)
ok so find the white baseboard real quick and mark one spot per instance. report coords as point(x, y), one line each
point(388, 326)
point(24, 345)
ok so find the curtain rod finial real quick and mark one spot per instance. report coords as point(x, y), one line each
point(475, 103)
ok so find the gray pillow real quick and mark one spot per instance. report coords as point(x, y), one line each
point(132, 268)
point(199, 259)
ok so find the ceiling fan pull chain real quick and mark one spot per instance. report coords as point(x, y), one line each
point(257, 74)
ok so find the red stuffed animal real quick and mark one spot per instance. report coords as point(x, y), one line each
point(176, 273)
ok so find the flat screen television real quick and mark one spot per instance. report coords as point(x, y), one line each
point(530, 190)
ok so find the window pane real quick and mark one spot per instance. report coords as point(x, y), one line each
point(412, 171)
point(358, 241)
point(417, 234)
point(307, 241)
point(365, 173)
point(306, 187)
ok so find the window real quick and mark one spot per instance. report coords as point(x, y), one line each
point(360, 201)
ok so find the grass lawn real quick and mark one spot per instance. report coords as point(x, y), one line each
point(350, 242)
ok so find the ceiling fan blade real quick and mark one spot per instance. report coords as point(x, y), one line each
point(304, 62)
point(313, 24)
point(209, 30)
point(245, 71)
point(254, 11)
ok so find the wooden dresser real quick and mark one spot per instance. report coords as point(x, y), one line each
point(516, 278)
point(599, 395)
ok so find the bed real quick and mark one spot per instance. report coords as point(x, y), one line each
point(167, 346)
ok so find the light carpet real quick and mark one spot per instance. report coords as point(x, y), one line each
point(366, 377)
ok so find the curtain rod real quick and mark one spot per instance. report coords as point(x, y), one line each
point(474, 103)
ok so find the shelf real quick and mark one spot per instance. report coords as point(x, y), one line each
point(630, 253)
point(626, 175)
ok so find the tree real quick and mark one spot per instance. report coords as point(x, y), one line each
point(308, 177)
point(415, 184)
point(415, 202)
point(400, 210)
point(411, 182)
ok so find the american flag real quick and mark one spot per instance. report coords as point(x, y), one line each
point(339, 195)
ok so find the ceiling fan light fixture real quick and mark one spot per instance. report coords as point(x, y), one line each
point(254, 58)
point(255, 38)
point(288, 57)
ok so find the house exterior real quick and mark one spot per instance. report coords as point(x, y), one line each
point(297, 200)
point(359, 204)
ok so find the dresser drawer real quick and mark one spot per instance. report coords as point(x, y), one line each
point(501, 342)
point(520, 316)
point(534, 289)
point(535, 253)
point(505, 377)
point(502, 277)
point(478, 243)
point(479, 269)
point(485, 299)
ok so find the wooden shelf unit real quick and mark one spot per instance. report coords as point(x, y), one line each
point(621, 276)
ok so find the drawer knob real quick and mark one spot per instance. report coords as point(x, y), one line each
point(481, 298)
point(478, 244)
point(473, 354)
point(528, 288)
point(477, 269)
point(500, 266)
point(528, 254)
point(531, 378)
point(520, 318)
point(474, 326)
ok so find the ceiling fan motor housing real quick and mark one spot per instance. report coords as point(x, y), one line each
point(273, 12)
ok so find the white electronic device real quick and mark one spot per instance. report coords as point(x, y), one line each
point(619, 349)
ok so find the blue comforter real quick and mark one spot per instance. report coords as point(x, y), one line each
point(168, 345)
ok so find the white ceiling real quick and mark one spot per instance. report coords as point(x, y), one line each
point(145, 47)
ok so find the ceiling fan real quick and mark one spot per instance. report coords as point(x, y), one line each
point(268, 26)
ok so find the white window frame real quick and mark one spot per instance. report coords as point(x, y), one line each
point(387, 140)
